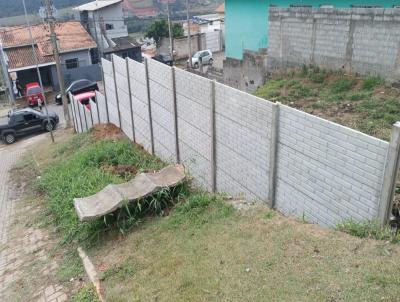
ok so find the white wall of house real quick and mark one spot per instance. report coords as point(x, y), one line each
point(113, 18)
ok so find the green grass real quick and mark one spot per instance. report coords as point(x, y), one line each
point(78, 172)
point(366, 104)
point(233, 256)
point(367, 229)
point(85, 294)
point(371, 82)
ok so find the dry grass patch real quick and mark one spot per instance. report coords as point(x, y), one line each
point(210, 252)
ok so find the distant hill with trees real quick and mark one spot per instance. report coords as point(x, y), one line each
point(14, 8)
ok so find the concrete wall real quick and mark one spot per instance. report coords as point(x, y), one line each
point(324, 172)
point(355, 40)
point(247, 74)
point(246, 20)
point(198, 42)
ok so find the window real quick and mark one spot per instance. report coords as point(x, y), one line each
point(29, 117)
point(109, 26)
point(125, 54)
point(72, 63)
point(326, 6)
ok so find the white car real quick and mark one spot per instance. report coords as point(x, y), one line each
point(204, 56)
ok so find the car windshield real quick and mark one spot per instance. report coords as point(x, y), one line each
point(78, 84)
point(197, 54)
point(33, 90)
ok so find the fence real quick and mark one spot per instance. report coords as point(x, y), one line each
point(236, 143)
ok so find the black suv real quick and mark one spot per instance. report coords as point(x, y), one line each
point(26, 121)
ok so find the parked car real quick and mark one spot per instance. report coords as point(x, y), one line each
point(163, 58)
point(76, 87)
point(85, 97)
point(26, 121)
point(203, 56)
point(34, 93)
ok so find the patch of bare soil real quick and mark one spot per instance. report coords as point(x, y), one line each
point(120, 170)
point(107, 131)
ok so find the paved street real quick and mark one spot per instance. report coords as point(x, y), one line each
point(23, 247)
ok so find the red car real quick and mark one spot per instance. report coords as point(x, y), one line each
point(85, 97)
point(34, 94)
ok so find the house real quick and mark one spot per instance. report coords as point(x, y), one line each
point(247, 21)
point(104, 20)
point(76, 48)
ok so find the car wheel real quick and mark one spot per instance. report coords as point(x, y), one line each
point(9, 138)
point(196, 65)
point(211, 61)
point(49, 126)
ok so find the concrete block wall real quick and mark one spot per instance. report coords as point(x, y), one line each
point(361, 40)
point(101, 107)
point(324, 172)
point(109, 86)
point(162, 109)
point(194, 128)
point(121, 77)
point(140, 103)
point(243, 124)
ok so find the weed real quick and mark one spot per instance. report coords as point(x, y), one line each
point(367, 229)
point(200, 208)
point(269, 215)
point(70, 266)
point(342, 85)
point(86, 294)
point(120, 272)
point(371, 82)
point(359, 95)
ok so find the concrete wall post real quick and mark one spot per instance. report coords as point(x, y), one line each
point(390, 176)
point(130, 99)
point(146, 67)
point(105, 93)
point(273, 154)
point(213, 154)
point(175, 109)
point(116, 92)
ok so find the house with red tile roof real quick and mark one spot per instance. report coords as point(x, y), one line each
point(77, 49)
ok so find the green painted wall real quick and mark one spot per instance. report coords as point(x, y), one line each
point(246, 21)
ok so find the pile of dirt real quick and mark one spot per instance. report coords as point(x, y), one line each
point(120, 170)
point(107, 131)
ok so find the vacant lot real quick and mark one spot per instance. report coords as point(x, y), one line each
point(367, 104)
point(199, 248)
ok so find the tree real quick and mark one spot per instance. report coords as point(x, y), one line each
point(159, 29)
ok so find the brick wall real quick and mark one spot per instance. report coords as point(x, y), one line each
point(324, 172)
point(363, 40)
point(161, 97)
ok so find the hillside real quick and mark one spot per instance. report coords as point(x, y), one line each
point(151, 7)
point(14, 8)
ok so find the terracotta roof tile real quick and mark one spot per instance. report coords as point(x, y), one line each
point(22, 57)
point(71, 35)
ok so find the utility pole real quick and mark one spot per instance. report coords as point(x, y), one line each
point(51, 22)
point(170, 34)
point(189, 37)
point(37, 68)
point(4, 67)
